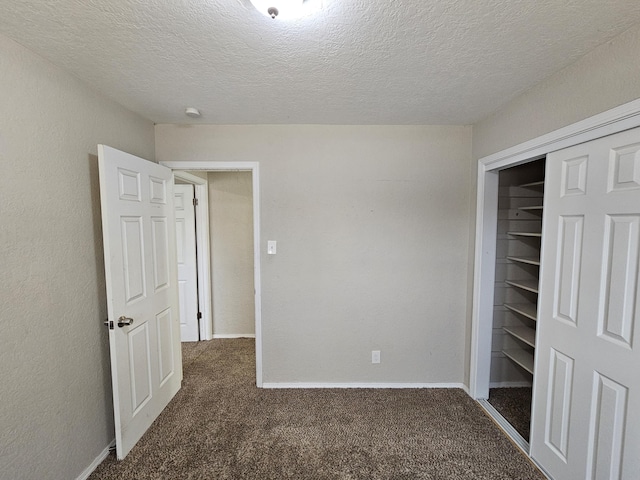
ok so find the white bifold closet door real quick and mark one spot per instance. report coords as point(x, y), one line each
point(586, 415)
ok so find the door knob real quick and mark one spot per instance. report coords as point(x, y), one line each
point(124, 321)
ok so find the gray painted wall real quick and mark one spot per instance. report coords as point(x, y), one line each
point(372, 229)
point(231, 234)
point(56, 411)
point(603, 79)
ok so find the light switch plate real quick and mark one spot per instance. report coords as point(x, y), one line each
point(375, 356)
point(271, 247)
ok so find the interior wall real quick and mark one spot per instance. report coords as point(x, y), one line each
point(231, 234)
point(603, 79)
point(55, 402)
point(372, 230)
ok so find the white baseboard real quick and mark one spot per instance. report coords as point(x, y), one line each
point(234, 335)
point(363, 385)
point(98, 460)
point(509, 384)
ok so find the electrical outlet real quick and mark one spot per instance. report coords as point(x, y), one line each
point(375, 356)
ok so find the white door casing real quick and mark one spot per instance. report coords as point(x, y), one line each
point(586, 406)
point(141, 276)
point(254, 168)
point(187, 266)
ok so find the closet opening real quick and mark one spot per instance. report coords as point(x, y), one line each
point(582, 205)
point(517, 269)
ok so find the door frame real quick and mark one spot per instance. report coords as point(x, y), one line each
point(606, 123)
point(254, 168)
point(203, 263)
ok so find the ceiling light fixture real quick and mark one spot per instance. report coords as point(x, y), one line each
point(192, 112)
point(279, 8)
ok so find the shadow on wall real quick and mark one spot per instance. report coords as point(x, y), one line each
point(101, 291)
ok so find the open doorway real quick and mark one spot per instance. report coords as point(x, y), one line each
point(228, 249)
point(231, 236)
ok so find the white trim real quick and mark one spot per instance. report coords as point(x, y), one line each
point(98, 460)
point(606, 123)
point(256, 266)
point(364, 385)
point(212, 166)
point(201, 187)
point(234, 335)
point(481, 332)
point(254, 168)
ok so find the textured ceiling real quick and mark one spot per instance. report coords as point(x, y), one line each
point(354, 62)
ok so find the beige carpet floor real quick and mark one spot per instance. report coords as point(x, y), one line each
point(220, 426)
point(514, 404)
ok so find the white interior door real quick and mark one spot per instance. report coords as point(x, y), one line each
point(586, 416)
point(187, 265)
point(142, 295)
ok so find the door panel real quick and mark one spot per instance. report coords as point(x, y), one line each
point(559, 403)
point(158, 189)
point(133, 258)
point(141, 277)
point(586, 420)
point(140, 364)
point(621, 278)
point(608, 418)
point(568, 268)
point(166, 344)
point(160, 242)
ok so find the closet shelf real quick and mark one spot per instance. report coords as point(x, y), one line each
point(518, 242)
point(532, 208)
point(528, 310)
point(522, 358)
point(537, 184)
point(524, 334)
point(527, 260)
point(528, 285)
point(525, 234)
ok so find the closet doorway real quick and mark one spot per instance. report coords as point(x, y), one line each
point(517, 273)
point(580, 422)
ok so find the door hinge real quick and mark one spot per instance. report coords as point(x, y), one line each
point(195, 202)
point(199, 315)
